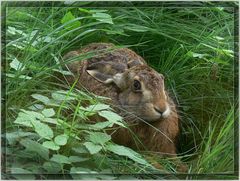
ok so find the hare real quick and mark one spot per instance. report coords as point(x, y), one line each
point(136, 90)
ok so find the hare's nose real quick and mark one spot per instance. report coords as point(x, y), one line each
point(161, 111)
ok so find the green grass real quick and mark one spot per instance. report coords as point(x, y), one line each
point(192, 47)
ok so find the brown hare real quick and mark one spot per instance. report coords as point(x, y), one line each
point(136, 90)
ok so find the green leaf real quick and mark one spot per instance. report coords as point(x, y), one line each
point(73, 135)
point(103, 17)
point(99, 138)
point(96, 107)
point(48, 112)
point(84, 10)
point(33, 114)
point(36, 107)
point(13, 137)
point(196, 55)
point(60, 159)
point(218, 38)
point(13, 31)
point(77, 159)
point(21, 173)
point(52, 167)
point(69, 17)
point(92, 148)
point(112, 117)
point(50, 120)
point(64, 72)
point(25, 77)
point(101, 125)
point(41, 98)
point(61, 139)
point(100, 176)
point(35, 147)
point(97, 10)
point(51, 145)
point(136, 28)
point(80, 170)
point(24, 119)
point(219, 61)
point(15, 64)
point(43, 130)
point(124, 151)
point(62, 95)
point(80, 149)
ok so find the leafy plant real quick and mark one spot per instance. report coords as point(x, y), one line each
point(48, 127)
point(54, 135)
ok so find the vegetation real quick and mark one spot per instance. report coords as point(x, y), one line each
point(47, 123)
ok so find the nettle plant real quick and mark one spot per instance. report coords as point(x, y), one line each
point(58, 141)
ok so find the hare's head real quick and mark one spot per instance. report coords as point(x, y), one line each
point(141, 89)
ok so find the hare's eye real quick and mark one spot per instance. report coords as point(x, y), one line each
point(136, 85)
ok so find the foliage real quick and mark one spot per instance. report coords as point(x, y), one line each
point(47, 122)
point(58, 140)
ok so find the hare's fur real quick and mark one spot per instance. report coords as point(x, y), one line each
point(110, 71)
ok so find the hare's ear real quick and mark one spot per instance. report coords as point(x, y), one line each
point(107, 72)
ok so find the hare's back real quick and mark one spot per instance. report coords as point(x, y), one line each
point(115, 56)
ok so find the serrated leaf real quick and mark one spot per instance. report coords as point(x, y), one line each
point(112, 117)
point(60, 159)
point(48, 112)
point(61, 139)
point(35, 147)
point(15, 64)
point(99, 138)
point(41, 98)
point(103, 17)
point(67, 18)
point(77, 159)
point(92, 148)
point(124, 151)
point(43, 130)
point(51, 145)
point(52, 167)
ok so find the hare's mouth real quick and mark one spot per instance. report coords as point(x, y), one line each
point(157, 115)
